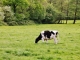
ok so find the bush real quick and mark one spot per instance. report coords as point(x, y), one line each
point(37, 12)
point(50, 15)
point(2, 23)
point(12, 23)
point(25, 22)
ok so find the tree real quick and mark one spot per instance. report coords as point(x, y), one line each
point(50, 14)
point(75, 13)
point(36, 12)
point(67, 11)
point(15, 3)
point(42, 11)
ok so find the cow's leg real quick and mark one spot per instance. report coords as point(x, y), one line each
point(46, 40)
point(42, 39)
point(55, 40)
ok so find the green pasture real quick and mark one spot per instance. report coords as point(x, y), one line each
point(17, 43)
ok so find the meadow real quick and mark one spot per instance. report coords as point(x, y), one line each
point(17, 43)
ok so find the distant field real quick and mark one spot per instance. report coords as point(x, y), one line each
point(71, 21)
point(17, 43)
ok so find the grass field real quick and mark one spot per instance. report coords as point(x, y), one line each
point(17, 43)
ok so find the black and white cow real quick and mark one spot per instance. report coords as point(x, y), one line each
point(47, 35)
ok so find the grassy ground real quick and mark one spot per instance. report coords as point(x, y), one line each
point(17, 43)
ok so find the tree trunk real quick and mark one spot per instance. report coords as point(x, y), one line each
point(75, 12)
point(14, 8)
point(67, 12)
point(60, 16)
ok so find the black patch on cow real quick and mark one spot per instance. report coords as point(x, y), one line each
point(52, 33)
point(38, 38)
point(56, 33)
point(47, 34)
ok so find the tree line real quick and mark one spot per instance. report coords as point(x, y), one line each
point(23, 12)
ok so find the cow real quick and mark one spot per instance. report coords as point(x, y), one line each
point(47, 35)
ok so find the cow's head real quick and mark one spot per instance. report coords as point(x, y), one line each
point(36, 41)
point(38, 38)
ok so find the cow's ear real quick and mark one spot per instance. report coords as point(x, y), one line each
point(56, 33)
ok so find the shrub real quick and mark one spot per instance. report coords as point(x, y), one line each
point(25, 22)
point(2, 23)
point(50, 15)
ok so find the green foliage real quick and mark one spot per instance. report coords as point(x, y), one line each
point(2, 23)
point(37, 12)
point(50, 15)
point(16, 12)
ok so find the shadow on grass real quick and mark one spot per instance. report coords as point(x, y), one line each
point(48, 43)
